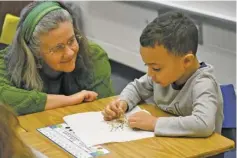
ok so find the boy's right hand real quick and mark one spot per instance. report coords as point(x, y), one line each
point(114, 109)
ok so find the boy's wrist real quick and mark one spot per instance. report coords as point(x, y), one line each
point(125, 105)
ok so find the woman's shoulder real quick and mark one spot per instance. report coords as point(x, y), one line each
point(96, 51)
point(100, 60)
point(3, 52)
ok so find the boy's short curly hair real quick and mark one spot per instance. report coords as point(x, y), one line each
point(175, 31)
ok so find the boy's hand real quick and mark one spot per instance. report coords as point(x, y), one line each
point(114, 109)
point(142, 120)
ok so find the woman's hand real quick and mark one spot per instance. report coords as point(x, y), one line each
point(83, 96)
point(89, 95)
point(56, 101)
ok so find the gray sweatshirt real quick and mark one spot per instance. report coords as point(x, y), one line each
point(198, 105)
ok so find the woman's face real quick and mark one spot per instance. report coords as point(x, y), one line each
point(59, 48)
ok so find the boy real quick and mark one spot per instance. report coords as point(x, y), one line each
point(178, 83)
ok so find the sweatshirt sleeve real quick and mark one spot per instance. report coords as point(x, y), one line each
point(201, 123)
point(22, 101)
point(139, 89)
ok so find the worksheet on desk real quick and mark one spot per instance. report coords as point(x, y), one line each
point(91, 128)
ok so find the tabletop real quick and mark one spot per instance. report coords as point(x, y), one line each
point(149, 147)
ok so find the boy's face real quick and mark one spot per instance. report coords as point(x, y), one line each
point(163, 67)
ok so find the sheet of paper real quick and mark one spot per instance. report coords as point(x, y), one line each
point(93, 130)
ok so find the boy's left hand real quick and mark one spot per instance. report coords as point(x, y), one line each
point(142, 120)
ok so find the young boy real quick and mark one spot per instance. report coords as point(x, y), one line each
point(177, 81)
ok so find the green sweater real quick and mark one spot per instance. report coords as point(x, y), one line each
point(25, 101)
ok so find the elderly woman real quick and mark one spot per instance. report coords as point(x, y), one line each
point(50, 64)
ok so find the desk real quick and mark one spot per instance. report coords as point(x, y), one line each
point(151, 147)
point(20, 130)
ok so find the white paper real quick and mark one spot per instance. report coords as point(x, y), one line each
point(91, 128)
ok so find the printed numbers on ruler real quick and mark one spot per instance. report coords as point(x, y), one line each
point(75, 150)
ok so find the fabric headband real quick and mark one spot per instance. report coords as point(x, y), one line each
point(35, 15)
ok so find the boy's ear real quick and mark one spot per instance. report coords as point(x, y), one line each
point(188, 60)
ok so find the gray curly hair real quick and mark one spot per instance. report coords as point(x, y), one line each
point(23, 60)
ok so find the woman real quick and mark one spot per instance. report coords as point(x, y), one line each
point(50, 64)
point(11, 146)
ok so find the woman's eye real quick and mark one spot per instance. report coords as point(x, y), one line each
point(156, 69)
point(60, 47)
point(70, 42)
